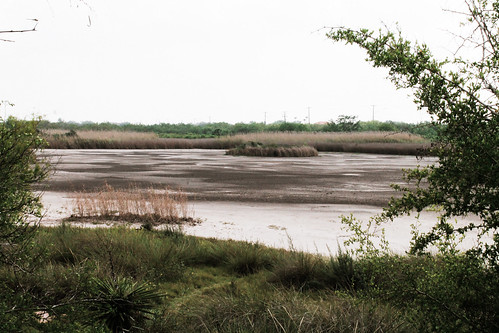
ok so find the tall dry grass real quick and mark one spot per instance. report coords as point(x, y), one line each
point(362, 142)
point(358, 142)
point(313, 138)
point(133, 205)
point(59, 139)
point(102, 135)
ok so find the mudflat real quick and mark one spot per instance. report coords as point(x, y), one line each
point(280, 202)
point(210, 175)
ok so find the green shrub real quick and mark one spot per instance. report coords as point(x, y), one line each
point(449, 293)
point(20, 169)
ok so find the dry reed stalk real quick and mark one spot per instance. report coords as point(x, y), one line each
point(133, 204)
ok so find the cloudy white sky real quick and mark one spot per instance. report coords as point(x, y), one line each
point(207, 60)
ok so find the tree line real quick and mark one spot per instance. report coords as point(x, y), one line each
point(210, 130)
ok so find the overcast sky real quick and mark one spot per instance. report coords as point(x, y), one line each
point(207, 60)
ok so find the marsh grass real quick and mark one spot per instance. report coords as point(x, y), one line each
point(368, 142)
point(314, 138)
point(100, 135)
point(60, 139)
point(133, 205)
point(273, 151)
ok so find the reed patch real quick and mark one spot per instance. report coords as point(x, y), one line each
point(133, 204)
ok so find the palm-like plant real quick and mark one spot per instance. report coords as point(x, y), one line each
point(122, 304)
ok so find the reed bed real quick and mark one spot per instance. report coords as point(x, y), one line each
point(133, 205)
point(314, 138)
point(112, 135)
point(158, 143)
point(303, 151)
point(362, 142)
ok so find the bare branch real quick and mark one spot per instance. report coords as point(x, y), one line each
point(16, 31)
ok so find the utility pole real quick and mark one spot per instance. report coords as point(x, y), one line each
point(373, 111)
point(284, 116)
point(308, 116)
point(265, 118)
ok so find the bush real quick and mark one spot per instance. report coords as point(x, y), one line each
point(20, 170)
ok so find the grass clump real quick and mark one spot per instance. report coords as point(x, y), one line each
point(307, 271)
point(257, 149)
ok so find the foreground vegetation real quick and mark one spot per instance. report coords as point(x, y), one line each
point(99, 280)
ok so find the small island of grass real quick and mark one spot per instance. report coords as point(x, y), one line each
point(258, 149)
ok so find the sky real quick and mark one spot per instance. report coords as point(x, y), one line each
point(196, 61)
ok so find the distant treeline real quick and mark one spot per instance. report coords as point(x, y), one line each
point(213, 130)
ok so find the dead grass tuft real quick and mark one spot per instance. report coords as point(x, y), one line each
point(133, 205)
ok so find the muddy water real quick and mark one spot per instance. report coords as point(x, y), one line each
point(281, 202)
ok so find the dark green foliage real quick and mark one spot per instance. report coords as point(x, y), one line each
point(344, 123)
point(462, 96)
point(20, 170)
point(451, 293)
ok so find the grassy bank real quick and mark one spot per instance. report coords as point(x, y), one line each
point(368, 142)
point(80, 279)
